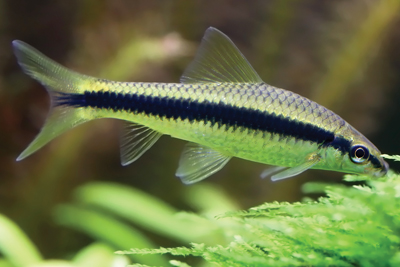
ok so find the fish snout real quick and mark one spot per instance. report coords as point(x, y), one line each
point(385, 168)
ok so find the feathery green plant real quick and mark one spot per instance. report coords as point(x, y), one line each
point(351, 226)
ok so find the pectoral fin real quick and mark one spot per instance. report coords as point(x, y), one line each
point(311, 161)
point(198, 162)
point(267, 172)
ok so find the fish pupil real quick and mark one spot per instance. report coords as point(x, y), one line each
point(360, 153)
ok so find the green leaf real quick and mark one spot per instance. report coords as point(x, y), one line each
point(53, 263)
point(107, 229)
point(210, 200)
point(395, 157)
point(178, 263)
point(142, 209)
point(15, 246)
point(99, 255)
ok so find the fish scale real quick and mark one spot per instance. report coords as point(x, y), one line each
point(222, 107)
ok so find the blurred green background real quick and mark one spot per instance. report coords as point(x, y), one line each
point(343, 54)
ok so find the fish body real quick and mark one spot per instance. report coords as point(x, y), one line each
point(222, 107)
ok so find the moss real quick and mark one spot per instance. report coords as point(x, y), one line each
point(351, 226)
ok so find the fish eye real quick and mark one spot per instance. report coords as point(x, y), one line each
point(359, 154)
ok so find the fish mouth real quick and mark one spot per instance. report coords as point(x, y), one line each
point(383, 171)
point(385, 168)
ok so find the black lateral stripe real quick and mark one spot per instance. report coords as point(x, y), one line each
point(375, 162)
point(216, 113)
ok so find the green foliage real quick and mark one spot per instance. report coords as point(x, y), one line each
point(395, 157)
point(351, 226)
point(344, 48)
point(110, 213)
point(18, 251)
point(355, 53)
point(13, 243)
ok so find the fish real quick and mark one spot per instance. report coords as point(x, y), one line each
point(221, 107)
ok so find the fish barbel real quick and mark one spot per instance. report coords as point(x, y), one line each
point(222, 107)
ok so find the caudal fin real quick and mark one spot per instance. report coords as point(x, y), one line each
point(58, 81)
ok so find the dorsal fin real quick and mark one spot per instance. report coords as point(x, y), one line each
point(218, 60)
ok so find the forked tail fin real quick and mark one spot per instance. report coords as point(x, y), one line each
point(58, 81)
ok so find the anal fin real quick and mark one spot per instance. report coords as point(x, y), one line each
point(290, 172)
point(198, 162)
point(135, 140)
